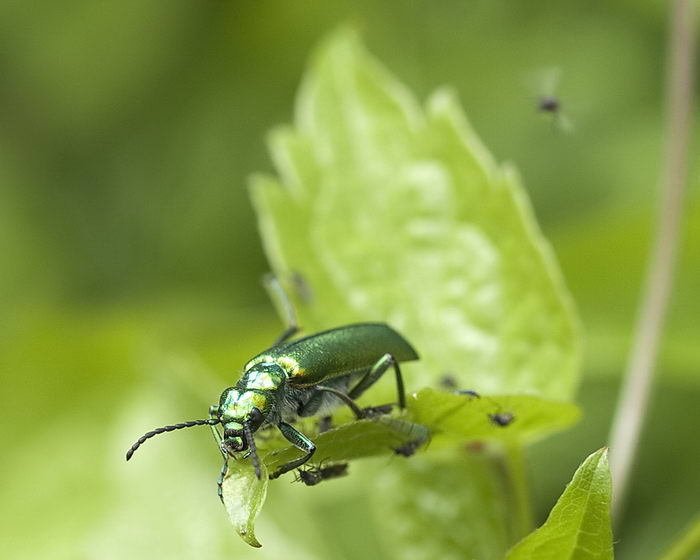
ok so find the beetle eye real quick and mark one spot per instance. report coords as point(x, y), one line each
point(256, 418)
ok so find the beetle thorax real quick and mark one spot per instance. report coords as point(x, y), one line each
point(263, 376)
point(258, 388)
point(237, 406)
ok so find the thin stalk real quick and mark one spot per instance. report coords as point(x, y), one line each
point(522, 515)
point(634, 396)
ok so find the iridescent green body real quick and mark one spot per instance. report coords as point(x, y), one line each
point(300, 378)
point(314, 359)
point(282, 382)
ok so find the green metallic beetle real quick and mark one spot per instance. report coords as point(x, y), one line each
point(298, 378)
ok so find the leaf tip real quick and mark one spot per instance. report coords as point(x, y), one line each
point(243, 497)
point(344, 39)
point(601, 455)
point(249, 538)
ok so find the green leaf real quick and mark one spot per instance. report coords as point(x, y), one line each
point(363, 438)
point(244, 494)
point(578, 527)
point(385, 211)
point(467, 417)
point(687, 544)
point(454, 505)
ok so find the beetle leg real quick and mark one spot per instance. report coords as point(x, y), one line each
point(300, 441)
point(383, 364)
point(312, 406)
point(213, 413)
point(281, 300)
point(343, 397)
point(220, 480)
point(288, 333)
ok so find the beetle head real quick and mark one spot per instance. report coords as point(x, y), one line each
point(241, 413)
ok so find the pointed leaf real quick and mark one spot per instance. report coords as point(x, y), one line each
point(244, 496)
point(511, 418)
point(578, 527)
point(362, 438)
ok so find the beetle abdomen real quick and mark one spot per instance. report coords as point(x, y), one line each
point(337, 352)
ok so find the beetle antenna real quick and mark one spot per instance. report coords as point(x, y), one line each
point(253, 451)
point(143, 438)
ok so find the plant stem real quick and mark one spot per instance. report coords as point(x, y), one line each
point(522, 515)
point(634, 397)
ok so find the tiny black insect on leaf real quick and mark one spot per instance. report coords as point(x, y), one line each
point(502, 419)
point(314, 475)
point(409, 448)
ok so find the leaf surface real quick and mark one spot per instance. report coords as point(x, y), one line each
point(579, 526)
point(523, 418)
point(383, 210)
point(244, 496)
point(444, 505)
point(363, 438)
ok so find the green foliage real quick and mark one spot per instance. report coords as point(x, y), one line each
point(244, 496)
point(385, 211)
point(456, 418)
point(364, 438)
point(131, 265)
point(426, 510)
point(579, 526)
point(465, 418)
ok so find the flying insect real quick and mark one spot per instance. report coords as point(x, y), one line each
point(298, 378)
point(545, 85)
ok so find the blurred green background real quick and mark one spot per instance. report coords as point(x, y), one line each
point(130, 291)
